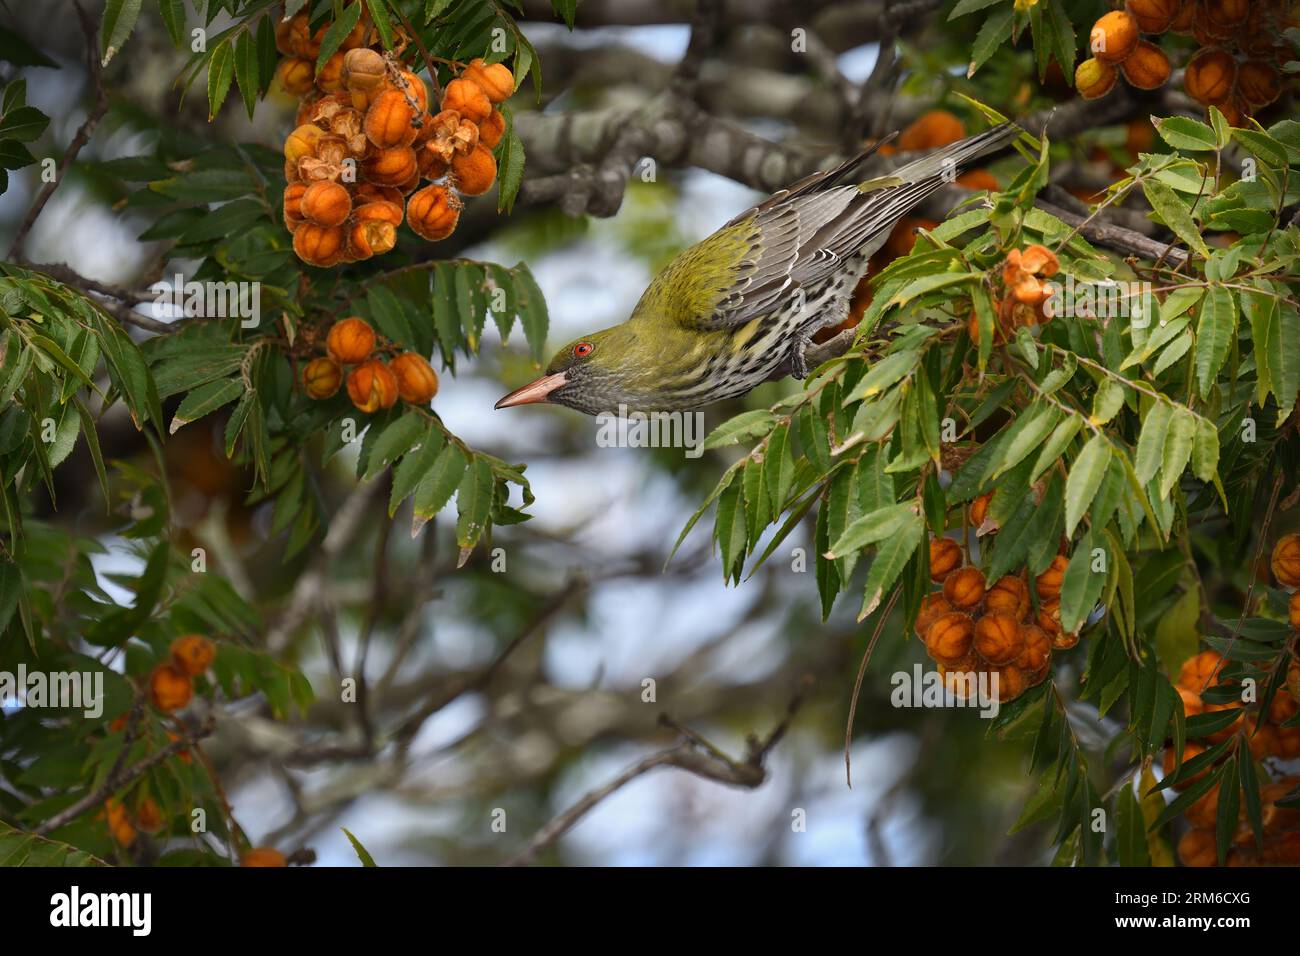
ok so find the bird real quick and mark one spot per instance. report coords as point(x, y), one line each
point(730, 311)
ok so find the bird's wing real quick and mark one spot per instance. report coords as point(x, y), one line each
point(797, 238)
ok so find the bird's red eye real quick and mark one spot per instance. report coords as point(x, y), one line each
point(582, 349)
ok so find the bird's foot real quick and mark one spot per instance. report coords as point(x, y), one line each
point(798, 360)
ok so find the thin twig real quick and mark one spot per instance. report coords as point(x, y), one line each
point(84, 132)
point(857, 684)
point(119, 778)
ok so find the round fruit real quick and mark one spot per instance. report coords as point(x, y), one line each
point(350, 340)
point(193, 653)
point(945, 556)
point(321, 378)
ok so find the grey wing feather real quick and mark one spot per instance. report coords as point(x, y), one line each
point(809, 230)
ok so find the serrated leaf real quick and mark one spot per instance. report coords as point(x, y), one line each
point(1084, 479)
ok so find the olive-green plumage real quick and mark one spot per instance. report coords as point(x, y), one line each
point(731, 310)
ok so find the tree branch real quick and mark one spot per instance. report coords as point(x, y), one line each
point(693, 754)
point(84, 132)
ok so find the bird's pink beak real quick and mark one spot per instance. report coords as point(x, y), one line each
point(533, 392)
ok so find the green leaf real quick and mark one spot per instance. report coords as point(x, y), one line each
point(1084, 479)
point(1151, 443)
point(993, 34)
point(1130, 830)
point(889, 562)
point(888, 371)
point(173, 16)
point(119, 21)
point(1081, 586)
point(1178, 448)
point(1183, 133)
point(411, 470)
point(362, 853)
point(1214, 335)
point(730, 532)
point(437, 486)
point(204, 400)
point(383, 24)
point(473, 505)
point(1176, 214)
point(24, 124)
point(394, 442)
point(221, 70)
point(743, 427)
point(246, 70)
point(1205, 450)
point(872, 527)
point(337, 33)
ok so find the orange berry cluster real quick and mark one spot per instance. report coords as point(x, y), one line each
point(1267, 737)
point(372, 383)
point(1023, 293)
point(365, 139)
point(1280, 825)
point(124, 825)
point(1236, 68)
point(1118, 47)
point(971, 627)
point(171, 683)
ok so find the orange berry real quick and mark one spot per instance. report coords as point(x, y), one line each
point(979, 179)
point(496, 81)
point(388, 121)
point(945, 555)
point(295, 76)
point(321, 378)
point(998, 637)
point(1094, 78)
point(1198, 847)
point(417, 382)
point(330, 77)
point(949, 639)
point(148, 815)
point(363, 71)
point(930, 130)
point(1210, 76)
point(350, 340)
point(170, 687)
point(372, 386)
point(1147, 67)
point(261, 856)
point(1036, 655)
point(1153, 16)
point(1192, 704)
point(1258, 83)
point(1009, 593)
point(493, 128)
point(467, 99)
point(318, 245)
point(475, 171)
point(433, 212)
point(292, 205)
point(979, 509)
point(118, 825)
point(326, 204)
point(371, 237)
point(964, 588)
point(1200, 671)
point(193, 653)
point(302, 142)
point(1048, 584)
point(1011, 683)
point(390, 167)
point(933, 607)
point(1113, 37)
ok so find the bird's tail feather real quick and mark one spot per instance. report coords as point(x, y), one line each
point(959, 154)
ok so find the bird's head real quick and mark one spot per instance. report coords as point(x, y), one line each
point(593, 374)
